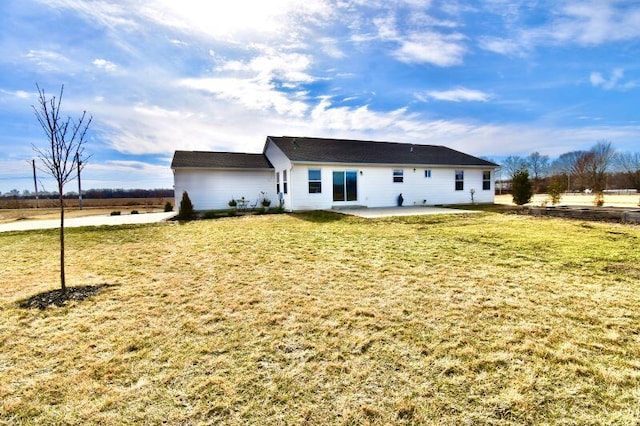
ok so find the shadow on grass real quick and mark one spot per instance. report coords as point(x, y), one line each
point(490, 208)
point(319, 216)
point(59, 298)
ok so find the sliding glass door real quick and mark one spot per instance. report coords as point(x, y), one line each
point(345, 186)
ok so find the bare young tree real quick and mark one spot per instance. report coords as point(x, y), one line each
point(64, 151)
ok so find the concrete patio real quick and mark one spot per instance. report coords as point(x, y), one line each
point(377, 212)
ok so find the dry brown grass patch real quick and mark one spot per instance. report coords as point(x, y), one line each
point(322, 319)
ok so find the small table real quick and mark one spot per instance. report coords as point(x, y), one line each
point(242, 204)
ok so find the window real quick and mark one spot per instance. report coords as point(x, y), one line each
point(459, 180)
point(284, 181)
point(486, 180)
point(315, 181)
point(277, 182)
point(427, 173)
point(398, 175)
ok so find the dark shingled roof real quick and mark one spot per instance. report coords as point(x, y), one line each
point(219, 160)
point(355, 151)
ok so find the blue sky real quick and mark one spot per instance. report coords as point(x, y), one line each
point(492, 78)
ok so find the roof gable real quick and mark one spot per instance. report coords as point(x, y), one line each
point(219, 160)
point(371, 152)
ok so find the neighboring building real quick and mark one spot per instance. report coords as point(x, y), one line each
point(314, 173)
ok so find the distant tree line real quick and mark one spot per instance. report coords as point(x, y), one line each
point(104, 193)
point(597, 169)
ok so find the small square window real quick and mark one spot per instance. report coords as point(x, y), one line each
point(398, 176)
point(315, 181)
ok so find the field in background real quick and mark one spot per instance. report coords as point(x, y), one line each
point(324, 319)
point(610, 200)
point(11, 210)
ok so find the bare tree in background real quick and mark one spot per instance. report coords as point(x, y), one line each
point(513, 164)
point(64, 151)
point(600, 161)
point(538, 165)
point(567, 164)
point(629, 164)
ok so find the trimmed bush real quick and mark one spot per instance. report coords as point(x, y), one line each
point(522, 189)
point(115, 213)
point(168, 207)
point(186, 211)
point(134, 212)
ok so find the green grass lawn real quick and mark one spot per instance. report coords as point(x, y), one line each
point(325, 319)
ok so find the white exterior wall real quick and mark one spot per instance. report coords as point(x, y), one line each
point(377, 189)
point(213, 189)
point(280, 162)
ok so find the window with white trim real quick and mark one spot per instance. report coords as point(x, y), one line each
point(398, 175)
point(277, 182)
point(427, 173)
point(315, 181)
point(486, 180)
point(284, 182)
point(459, 180)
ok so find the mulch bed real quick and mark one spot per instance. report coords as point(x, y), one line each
point(59, 297)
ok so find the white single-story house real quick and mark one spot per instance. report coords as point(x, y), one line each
point(304, 173)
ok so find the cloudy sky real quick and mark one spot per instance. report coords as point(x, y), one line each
point(492, 78)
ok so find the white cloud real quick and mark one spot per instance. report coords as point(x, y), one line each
point(459, 94)
point(20, 94)
point(502, 46)
point(47, 60)
point(226, 20)
point(288, 67)
point(596, 22)
point(106, 13)
point(330, 47)
point(254, 94)
point(104, 65)
point(582, 23)
point(386, 27)
point(351, 119)
point(443, 50)
point(613, 82)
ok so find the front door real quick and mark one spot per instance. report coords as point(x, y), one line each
point(345, 185)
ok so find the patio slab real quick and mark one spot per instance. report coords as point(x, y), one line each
point(377, 212)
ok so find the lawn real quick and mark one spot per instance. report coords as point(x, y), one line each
point(326, 319)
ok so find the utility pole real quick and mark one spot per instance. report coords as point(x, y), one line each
point(79, 163)
point(35, 182)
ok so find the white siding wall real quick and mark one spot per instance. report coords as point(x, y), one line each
point(377, 189)
point(281, 162)
point(213, 189)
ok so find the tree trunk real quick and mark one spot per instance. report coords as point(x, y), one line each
point(63, 283)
